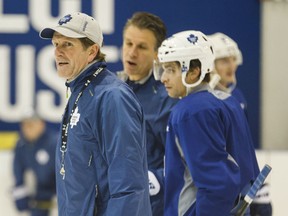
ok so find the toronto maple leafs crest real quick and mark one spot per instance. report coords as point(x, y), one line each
point(192, 38)
point(75, 118)
point(65, 19)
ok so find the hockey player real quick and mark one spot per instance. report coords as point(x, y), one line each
point(142, 35)
point(101, 162)
point(227, 59)
point(209, 157)
point(34, 166)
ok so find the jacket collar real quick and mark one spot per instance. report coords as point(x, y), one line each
point(87, 71)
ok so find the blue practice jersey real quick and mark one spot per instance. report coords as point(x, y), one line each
point(209, 157)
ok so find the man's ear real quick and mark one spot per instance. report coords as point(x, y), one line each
point(93, 51)
point(155, 57)
point(193, 75)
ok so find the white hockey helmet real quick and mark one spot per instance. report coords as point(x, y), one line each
point(225, 46)
point(184, 47)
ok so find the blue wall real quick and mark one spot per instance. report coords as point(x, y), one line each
point(236, 18)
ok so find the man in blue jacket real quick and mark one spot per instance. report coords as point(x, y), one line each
point(101, 165)
point(142, 35)
point(34, 166)
point(209, 157)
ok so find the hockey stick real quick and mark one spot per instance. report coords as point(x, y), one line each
point(245, 203)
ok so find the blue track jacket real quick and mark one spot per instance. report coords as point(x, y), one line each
point(105, 163)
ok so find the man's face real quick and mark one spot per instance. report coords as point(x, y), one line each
point(32, 129)
point(70, 56)
point(138, 52)
point(226, 68)
point(172, 80)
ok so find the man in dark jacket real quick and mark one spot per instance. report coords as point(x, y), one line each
point(34, 161)
point(101, 162)
point(142, 35)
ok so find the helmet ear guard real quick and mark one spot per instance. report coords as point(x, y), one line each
point(184, 47)
point(202, 75)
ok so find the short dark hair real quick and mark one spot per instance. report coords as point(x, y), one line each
point(145, 20)
point(86, 42)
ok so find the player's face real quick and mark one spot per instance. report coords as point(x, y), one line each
point(70, 56)
point(32, 129)
point(226, 68)
point(138, 52)
point(172, 80)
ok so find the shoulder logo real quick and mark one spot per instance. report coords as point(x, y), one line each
point(65, 19)
point(154, 186)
